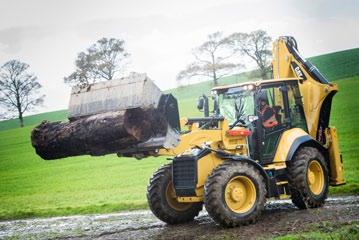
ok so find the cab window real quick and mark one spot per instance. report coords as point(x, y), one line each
point(270, 107)
point(296, 110)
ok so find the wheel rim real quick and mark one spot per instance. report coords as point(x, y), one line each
point(240, 194)
point(315, 177)
point(171, 199)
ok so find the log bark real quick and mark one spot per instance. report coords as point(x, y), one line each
point(98, 134)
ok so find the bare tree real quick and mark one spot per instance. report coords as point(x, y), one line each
point(19, 89)
point(103, 60)
point(83, 75)
point(255, 45)
point(211, 59)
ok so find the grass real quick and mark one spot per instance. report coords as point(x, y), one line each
point(30, 186)
point(344, 117)
point(327, 231)
point(338, 65)
point(34, 119)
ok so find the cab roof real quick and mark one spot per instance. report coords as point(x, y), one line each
point(256, 83)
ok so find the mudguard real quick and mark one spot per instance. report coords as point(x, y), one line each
point(291, 140)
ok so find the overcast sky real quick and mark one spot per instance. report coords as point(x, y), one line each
point(159, 34)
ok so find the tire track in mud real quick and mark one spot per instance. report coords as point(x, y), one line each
point(279, 217)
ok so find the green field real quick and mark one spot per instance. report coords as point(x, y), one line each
point(31, 186)
point(326, 231)
point(338, 65)
point(34, 119)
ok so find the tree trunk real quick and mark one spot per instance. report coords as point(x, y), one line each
point(19, 109)
point(215, 80)
point(263, 74)
point(98, 134)
point(263, 71)
point(21, 119)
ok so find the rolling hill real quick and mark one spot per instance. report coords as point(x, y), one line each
point(334, 66)
point(34, 119)
point(338, 65)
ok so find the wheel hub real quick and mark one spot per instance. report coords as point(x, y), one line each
point(237, 194)
point(240, 194)
point(311, 177)
point(171, 199)
point(315, 177)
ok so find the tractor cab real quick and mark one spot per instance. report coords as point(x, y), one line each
point(266, 108)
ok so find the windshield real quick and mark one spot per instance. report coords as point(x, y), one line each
point(236, 102)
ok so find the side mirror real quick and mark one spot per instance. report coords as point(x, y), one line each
point(200, 103)
point(215, 105)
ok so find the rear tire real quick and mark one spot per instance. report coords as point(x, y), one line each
point(235, 194)
point(163, 201)
point(308, 178)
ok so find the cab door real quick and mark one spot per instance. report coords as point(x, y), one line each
point(273, 118)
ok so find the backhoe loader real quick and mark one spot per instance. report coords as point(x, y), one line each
point(264, 139)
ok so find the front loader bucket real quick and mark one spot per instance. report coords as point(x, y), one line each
point(131, 94)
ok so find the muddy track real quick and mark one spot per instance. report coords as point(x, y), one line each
point(279, 218)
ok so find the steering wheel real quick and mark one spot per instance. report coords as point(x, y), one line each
point(241, 121)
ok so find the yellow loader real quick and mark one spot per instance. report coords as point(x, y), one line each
point(264, 139)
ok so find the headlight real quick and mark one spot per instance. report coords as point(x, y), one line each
point(213, 92)
point(196, 151)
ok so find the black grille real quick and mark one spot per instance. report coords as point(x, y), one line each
point(185, 175)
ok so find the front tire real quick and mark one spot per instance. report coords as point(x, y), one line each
point(162, 199)
point(235, 194)
point(308, 178)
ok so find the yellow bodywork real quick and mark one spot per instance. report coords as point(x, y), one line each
point(313, 95)
point(313, 92)
point(217, 139)
point(286, 141)
point(335, 160)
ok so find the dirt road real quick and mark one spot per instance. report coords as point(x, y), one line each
point(279, 218)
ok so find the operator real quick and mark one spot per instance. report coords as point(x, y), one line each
point(267, 113)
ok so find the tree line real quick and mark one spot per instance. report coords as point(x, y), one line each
point(215, 58)
point(220, 56)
